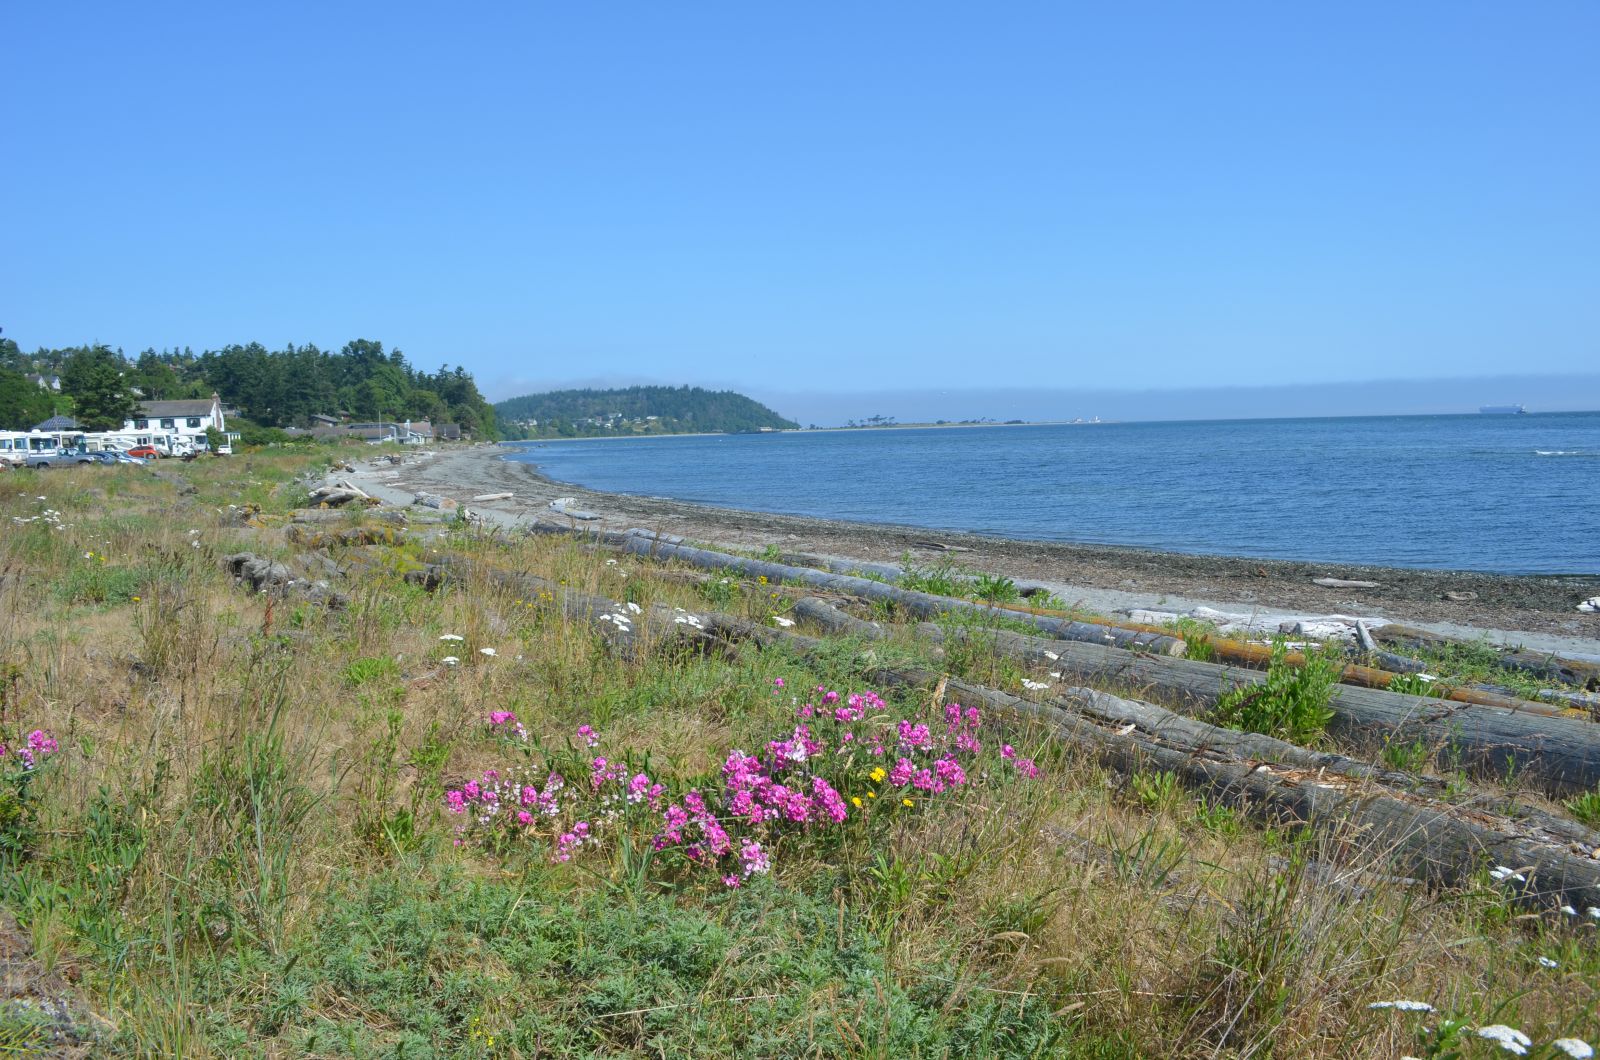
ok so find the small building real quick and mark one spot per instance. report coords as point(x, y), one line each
point(45, 382)
point(448, 432)
point(58, 423)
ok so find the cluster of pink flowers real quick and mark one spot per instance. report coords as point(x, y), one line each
point(38, 746)
point(1024, 766)
point(567, 842)
point(505, 722)
point(813, 779)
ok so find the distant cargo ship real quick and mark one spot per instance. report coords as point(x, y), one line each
point(1502, 410)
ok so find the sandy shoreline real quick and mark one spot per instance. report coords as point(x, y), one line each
point(1098, 577)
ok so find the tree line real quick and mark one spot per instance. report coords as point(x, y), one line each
point(271, 388)
point(634, 410)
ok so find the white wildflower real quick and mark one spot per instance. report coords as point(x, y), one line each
point(452, 636)
point(635, 608)
point(781, 621)
point(1051, 655)
point(1500, 872)
point(1546, 962)
point(490, 652)
point(1576, 1048)
point(1037, 686)
point(1593, 912)
point(449, 660)
point(1509, 1038)
point(1567, 909)
point(1403, 1006)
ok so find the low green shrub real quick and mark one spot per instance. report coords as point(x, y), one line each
point(1292, 704)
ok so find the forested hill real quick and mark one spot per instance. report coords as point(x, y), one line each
point(271, 388)
point(633, 410)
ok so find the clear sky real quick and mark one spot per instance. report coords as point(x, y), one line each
point(816, 197)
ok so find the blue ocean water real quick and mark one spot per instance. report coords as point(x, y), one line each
point(1514, 494)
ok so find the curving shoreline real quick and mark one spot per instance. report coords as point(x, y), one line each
point(1095, 576)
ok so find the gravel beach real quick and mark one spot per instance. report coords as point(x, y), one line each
point(1540, 610)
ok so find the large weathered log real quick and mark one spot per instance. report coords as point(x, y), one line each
point(1561, 754)
point(821, 613)
point(306, 537)
point(922, 605)
point(1426, 836)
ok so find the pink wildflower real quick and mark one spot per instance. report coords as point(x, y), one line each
point(588, 735)
point(915, 737)
point(831, 801)
point(1026, 767)
point(756, 861)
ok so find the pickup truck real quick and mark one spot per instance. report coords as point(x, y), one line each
point(57, 458)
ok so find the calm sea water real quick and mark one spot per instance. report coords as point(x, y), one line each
point(1493, 493)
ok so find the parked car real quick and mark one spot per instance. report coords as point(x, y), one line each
point(149, 452)
point(225, 449)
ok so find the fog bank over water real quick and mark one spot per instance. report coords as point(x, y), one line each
point(1051, 401)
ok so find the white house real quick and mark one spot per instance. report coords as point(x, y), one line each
point(188, 419)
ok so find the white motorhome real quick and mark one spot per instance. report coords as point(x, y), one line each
point(13, 447)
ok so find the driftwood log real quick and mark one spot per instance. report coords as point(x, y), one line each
point(1390, 814)
point(1561, 754)
point(921, 605)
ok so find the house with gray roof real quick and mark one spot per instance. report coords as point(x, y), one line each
point(188, 418)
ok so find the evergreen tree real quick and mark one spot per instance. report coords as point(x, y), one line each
point(23, 403)
point(101, 398)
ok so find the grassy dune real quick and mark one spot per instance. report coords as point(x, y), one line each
point(244, 844)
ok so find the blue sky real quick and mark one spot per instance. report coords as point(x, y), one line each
point(816, 198)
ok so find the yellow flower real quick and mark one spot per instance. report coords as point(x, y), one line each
point(878, 774)
point(906, 802)
point(872, 794)
point(135, 599)
point(762, 579)
point(857, 800)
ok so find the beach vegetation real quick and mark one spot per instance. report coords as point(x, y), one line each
point(995, 589)
point(251, 824)
point(1586, 808)
point(1291, 703)
point(1408, 756)
point(939, 579)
